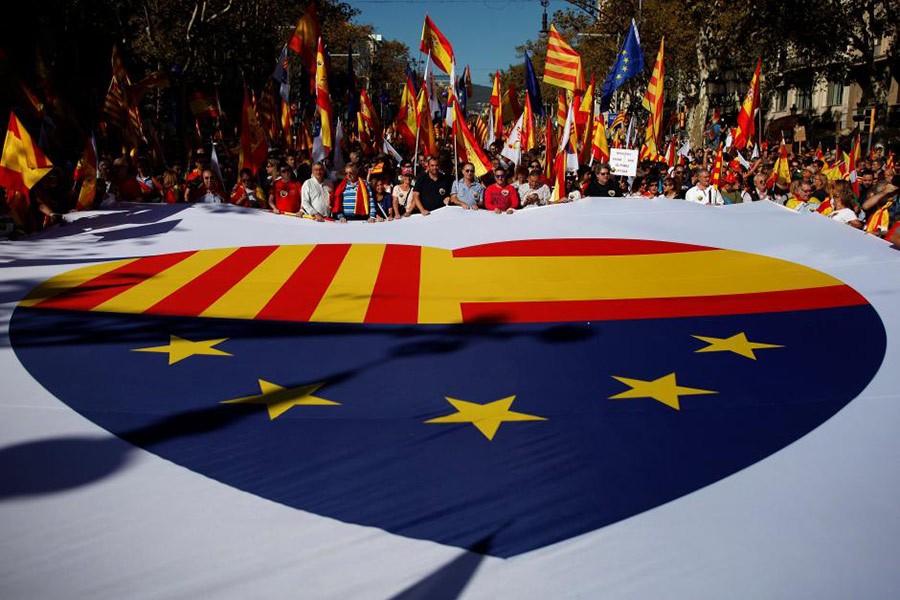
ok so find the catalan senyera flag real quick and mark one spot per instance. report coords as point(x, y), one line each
point(562, 109)
point(323, 99)
point(202, 105)
point(468, 147)
point(88, 166)
point(23, 163)
point(599, 145)
point(563, 64)
point(584, 119)
point(653, 101)
point(561, 164)
point(746, 122)
point(407, 116)
point(671, 153)
point(715, 176)
point(305, 36)
point(433, 41)
point(426, 126)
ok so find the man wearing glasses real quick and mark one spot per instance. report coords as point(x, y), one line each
point(284, 197)
point(432, 189)
point(605, 186)
point(501, 196)
point(800, 201)
point(467, 192)
point(353, 198)
point(703, 192)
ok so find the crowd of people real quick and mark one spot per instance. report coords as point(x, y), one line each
point(374, 188)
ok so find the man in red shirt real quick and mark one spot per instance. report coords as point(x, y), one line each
point(501, 196)
point(284, 197)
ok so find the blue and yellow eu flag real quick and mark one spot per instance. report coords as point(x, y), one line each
point(629, 62)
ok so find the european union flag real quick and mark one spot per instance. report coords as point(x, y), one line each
point(534, 90)
point(629, 62)
point(535, 419)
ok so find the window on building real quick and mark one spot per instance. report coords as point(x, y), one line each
point(804, 99)
point(781, 99)
point(835, 94)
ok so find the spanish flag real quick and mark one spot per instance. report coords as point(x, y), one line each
point(468, 147)
point(746, 120)
point(563, 65)
point(434, 42)
point(323, 99)
point(599, 145)
point(22, 164)
point(303, 39)
point(407, 116)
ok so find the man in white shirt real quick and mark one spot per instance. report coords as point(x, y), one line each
point(703, 193)
point(315, 195)
point(533, 192)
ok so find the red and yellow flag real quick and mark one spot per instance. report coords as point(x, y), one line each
point(305, 36)
point(22, 164)
point(323, 100)
point(746, 123)
point(468, 147)
point(497, 106)
point(781, 172)
point(433, 41)
point(851, 166)
point(563, 65)
point(368, 116)
point(562, 109)
point(407, 116)
point(550, 150)
point(715, 176)
point(254, 147)
point(426, 125)
point(88, 174)
point(599, 145)
point(529, 136)
point(653, 101)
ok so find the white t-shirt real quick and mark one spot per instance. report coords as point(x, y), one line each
point(710, 195)
point(845, 215)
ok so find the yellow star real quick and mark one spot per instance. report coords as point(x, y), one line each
point(624, 69)
point(279, 399)
point(665, 390)
point(738, 343)
point(624, 52)
point(625, 60)
point(180, 348)
point(486, 417)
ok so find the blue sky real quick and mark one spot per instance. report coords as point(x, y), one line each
point(484, 33)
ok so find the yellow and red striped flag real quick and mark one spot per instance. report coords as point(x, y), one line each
point(469, 148)
point(407, 116)
point(497, 106)
point(426, 125)
point(433, 41)
point(22, 163)
point(851, 166)
point(715, 175)
point(305, 36)
point(549, 150)
point(254, 147)
point(599, 145)
point(746, 123)
point(781, 173)
point(562, 109)
point(369, 116)
point(653, 101)
point(563, 64)
point(529, 136)
point(88, 175)
point(323, 100)
point(286, 119)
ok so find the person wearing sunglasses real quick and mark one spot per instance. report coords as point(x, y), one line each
point(285, 195)
point(501, 196)
point(467, 192)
